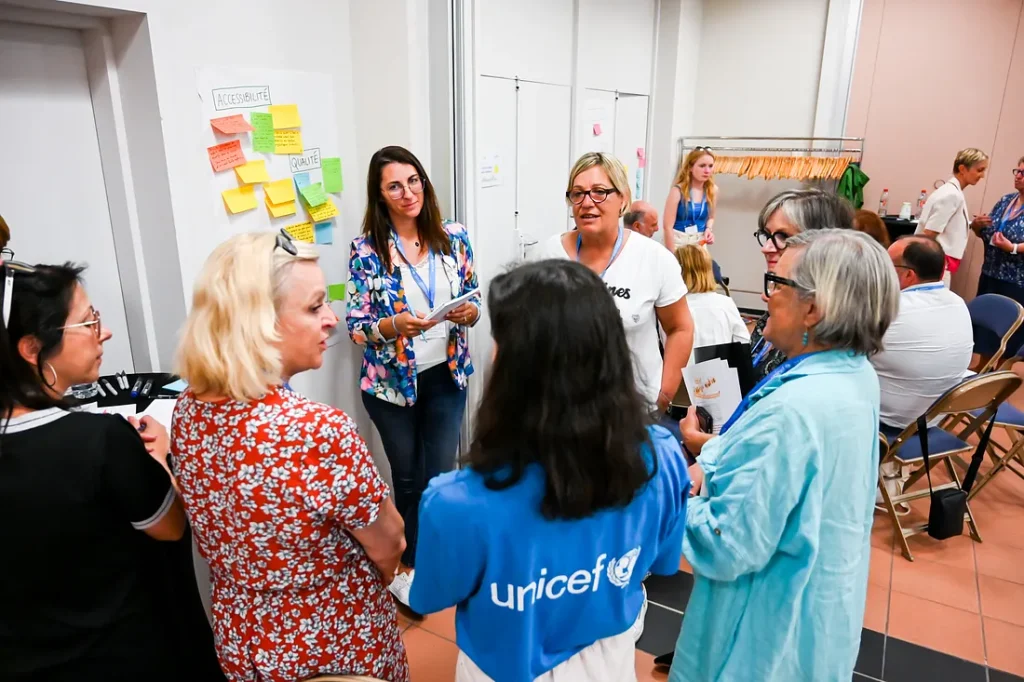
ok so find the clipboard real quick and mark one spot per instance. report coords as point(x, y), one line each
point(736, 355)
point(438, 313)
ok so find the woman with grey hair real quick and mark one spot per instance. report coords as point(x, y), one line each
point(779, 534)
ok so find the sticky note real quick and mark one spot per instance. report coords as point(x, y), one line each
point(179, 385)
point(262, 132)
point(325, 211)
point(335, 292)
point(229, 125)
point(287, 141)
point(240, 198)
point(314, 194)
point(285, 115)
point(254, 171)
point(302, 232)
point(227, 155)
point(280, 191)
point(597, 129)
point(324, 233)
point(301, 180)
point(280, 210)
point(641, 156)
point(331, 167)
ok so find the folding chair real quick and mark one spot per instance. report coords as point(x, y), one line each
point(720, 280)
point(999, 316)
point(979, 395)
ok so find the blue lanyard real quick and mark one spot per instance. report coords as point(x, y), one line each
point(1007, 212)
point(615, 251)
point(747, 399)
point(693, 217)
point(929, 287)
point(428, 291)
point(760, 356)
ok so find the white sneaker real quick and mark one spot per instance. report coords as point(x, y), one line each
point(638, 625)
point(401, 586)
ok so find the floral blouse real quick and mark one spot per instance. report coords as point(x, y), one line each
point(389, 365)
point(765, 357)
point(998, 263)
point(271, 488)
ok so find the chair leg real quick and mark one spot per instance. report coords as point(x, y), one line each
point(969, 515)
point(890, 508)
point(1012, 455)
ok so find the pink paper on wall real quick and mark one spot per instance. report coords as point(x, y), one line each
point(641, 156)
point(597, 129)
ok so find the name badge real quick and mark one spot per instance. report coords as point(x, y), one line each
point(438, 331)
point(690, 229)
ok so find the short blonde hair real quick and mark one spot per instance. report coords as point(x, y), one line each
point(698, 273)
point(968, 157)
point(227, 345)
point(612, 167)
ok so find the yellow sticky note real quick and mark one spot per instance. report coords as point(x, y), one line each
point(323, 212)
point(287, 141)
point(254, 171)
point(280, 210)
point(303, 232)
point(280, 191)
point(285, 115)
point(240, 199)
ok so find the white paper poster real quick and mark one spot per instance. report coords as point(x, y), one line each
point(490, 170)
point(715, 386)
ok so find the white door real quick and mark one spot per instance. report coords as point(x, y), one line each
point(52, 192)
point(545, 114)
point(631, 138)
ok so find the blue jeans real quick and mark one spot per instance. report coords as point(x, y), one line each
point(420, 442)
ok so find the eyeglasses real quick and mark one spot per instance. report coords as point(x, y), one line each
point(779, 239)
point(904, 267)
point(12, 266)
point(772, 282)
point(1018, 173)
point(94, 323)
point(396, 190)
point(597, 195)
point(285, 243)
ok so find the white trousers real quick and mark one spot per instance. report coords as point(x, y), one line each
point(607, 660)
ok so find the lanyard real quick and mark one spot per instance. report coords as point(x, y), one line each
point(694, 215)
point(927, 287)
point(1008, 215)
point(428, 291)
point(760, 356)
point(747, 399)
point(615, 251)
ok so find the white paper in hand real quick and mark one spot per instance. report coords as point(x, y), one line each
point(439, 312)
point(715, 386)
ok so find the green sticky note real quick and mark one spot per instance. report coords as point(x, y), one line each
point(262, 132)
point(314, 194)
point(331, 167)
point(335, 292)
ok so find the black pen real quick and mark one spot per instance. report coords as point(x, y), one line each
point(136, 387)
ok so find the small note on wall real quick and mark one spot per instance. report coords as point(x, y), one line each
point(301, 180)
point(285, 116)
point(287, 141)
point(335, 292)
point(229, 125)
point(324, 233)
point(323, 212)
point(262, 132)
point(252, 172)
point(314, 194)
point(302, 232)
point(280, 191)
point(240, 199)
point(281, 210)
point(225, 156)
point(332, 174)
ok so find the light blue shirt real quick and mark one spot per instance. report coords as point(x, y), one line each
point(780, 539)
point(531, 591)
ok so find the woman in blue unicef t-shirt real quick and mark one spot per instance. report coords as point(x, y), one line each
point(568, 499)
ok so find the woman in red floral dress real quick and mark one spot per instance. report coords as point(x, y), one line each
point(284, 499)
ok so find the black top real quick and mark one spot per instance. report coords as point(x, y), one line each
point(81, 586)
point(772, 358)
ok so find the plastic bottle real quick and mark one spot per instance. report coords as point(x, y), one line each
point(923, 197)
point(883, 203)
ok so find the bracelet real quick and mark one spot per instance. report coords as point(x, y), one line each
point(1014, 251)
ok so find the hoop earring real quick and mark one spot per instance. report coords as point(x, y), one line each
point(54, 383)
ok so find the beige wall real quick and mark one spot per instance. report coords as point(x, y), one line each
point(930, 79)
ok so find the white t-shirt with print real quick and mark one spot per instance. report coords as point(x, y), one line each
point(644, 276)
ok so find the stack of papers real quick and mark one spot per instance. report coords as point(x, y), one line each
point(715, 386)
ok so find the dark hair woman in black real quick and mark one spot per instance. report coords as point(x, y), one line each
point(82, 499)
point(568, 499)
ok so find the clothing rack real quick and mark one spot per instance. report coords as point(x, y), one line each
point(766, 158)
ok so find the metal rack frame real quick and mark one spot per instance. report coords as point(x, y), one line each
point(691, 141)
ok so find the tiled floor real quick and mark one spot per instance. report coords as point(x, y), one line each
point(956, 613)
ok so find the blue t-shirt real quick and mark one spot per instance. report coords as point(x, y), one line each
point(532, 592)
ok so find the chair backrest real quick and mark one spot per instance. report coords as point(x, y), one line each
point(985, 392)
point(999, 316)
point(1011, 360)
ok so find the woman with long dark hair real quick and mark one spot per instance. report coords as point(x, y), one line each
point(408, 262)
point(568, 498)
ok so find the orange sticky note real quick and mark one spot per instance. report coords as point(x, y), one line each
point(280, 210)
point(280, 191)
point(287, 141)
point(285, 115)
point(324, 211)
point(225, 156)
point(240, 198)
point(303, 232)
point(254, 171)
point(230, 125)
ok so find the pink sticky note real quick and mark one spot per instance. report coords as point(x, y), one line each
point(225, 156)
point(597, 129)
point(230, 125)
point(640, 153)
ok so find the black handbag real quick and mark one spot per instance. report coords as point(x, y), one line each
point(949, 505)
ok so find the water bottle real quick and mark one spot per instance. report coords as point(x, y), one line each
point(923, 197)
point(883, 203)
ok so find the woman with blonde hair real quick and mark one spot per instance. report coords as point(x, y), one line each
point(690, 208)
point(285, 501)
point(716, 319)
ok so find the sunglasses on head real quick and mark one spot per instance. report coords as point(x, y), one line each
point(285, 243)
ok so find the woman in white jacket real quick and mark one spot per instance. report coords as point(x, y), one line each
point(716, 319)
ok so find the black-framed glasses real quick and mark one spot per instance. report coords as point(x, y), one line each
point(285, 243)
point(772, 282)
point(95, 323)
point(596, 194)
point(1018, 173)
point(10, 267)
point(396, 190)
point(779, 239)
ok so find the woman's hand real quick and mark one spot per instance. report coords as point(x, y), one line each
point(409, 325)
point(693, 437)
point(1000, 241)
point(465, 314)
point(157, 442)
point(696, 479)
point(708, 238)
point(980, 222)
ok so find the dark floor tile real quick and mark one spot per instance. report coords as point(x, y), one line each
point(661, 630)
point(857, 677)
point(906, 662)
point(872, 647)
point(999, 676)
point(672, 591)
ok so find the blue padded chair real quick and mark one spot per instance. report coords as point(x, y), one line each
point(719, 279)
point(994, 318)
point(980, 395)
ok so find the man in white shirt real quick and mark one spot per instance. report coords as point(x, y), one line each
point(642, 218)
point(944, 217)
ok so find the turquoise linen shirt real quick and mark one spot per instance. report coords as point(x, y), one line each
point(779, 541)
